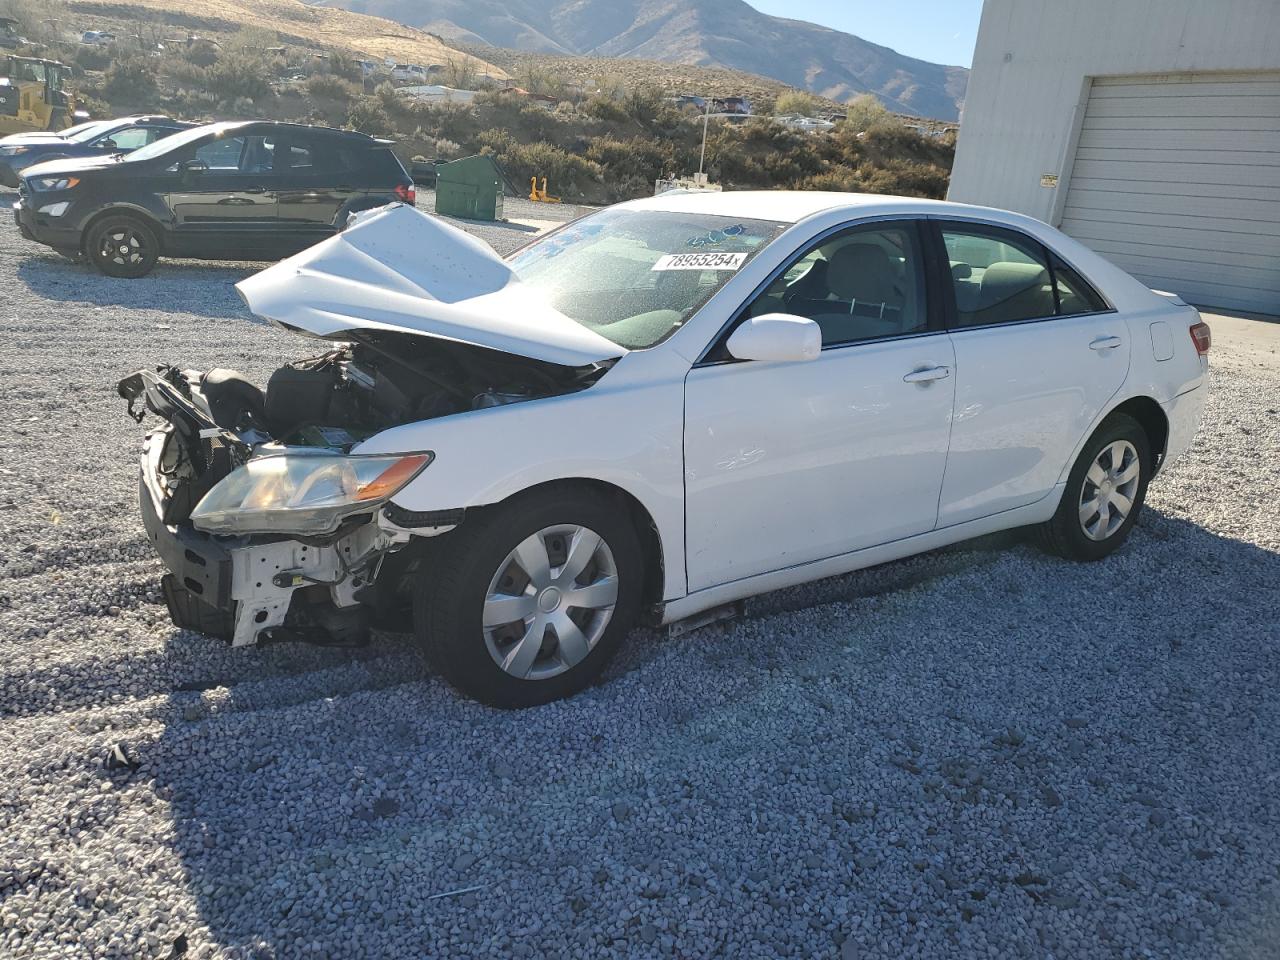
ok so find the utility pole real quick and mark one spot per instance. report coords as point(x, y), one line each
point(706, 116)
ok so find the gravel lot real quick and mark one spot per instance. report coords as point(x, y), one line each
point(982, 752)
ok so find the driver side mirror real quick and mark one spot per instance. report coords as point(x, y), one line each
point(191, 167)
point(776, 338)
point(107, 145)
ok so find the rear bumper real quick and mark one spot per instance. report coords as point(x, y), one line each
point(1184, 413)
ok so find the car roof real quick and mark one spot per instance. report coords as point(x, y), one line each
point(283, 125)
point(147, 120)
point(792, 206)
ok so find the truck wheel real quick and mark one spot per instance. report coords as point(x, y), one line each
point(122, 246)
point(528, 602)
point(1105, 492)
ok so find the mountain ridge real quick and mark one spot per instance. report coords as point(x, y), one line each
point(712, 33)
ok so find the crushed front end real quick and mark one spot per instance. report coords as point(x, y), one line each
point(268, 552)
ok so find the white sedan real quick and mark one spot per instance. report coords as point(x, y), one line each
point(656, 410)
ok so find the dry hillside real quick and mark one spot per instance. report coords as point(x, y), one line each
point(293, 21)
point(590, 73)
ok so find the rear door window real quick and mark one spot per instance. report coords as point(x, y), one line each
point(999, 276)
point(130, 138)
point(1075, 295)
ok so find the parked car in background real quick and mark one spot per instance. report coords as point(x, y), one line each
point(731, 105)
point(254, 190)
point(91, 139)
point(52, 134)
point(409, 73)
point(665, 406)
point(98, 38)
point(804, 124)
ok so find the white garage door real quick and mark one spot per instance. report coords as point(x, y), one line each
point(1177, 180)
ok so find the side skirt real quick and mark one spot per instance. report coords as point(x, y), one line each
point(695, 603)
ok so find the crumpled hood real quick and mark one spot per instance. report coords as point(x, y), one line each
point(396, 268)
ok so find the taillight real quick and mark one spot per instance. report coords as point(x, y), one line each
point(1201, 337)
point(407, 194)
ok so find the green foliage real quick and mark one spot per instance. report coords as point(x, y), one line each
point(797, 101)
point(369, 116)
point(866, 111)
point(342, 65)
point(460, 73)
point(328, 86)
point(605, 108)
point(568, 175)
point(131, 79)
point(239, 74)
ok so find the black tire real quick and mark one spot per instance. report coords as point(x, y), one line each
point(451, 592)
point(105, 243)
point(1066, 533)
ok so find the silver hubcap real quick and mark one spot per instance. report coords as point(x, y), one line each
point(123, 247)
point(550, 601)
point(1109, 488)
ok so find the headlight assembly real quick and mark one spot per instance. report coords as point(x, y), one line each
point(53, 183)
point(303, 494)
point(12, 151)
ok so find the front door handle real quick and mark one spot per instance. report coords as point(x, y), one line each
point(927, 375)
point(1105, 343)
point(255, 189)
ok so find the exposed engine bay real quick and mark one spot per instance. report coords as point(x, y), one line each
point(242, 587)
point(373, 381)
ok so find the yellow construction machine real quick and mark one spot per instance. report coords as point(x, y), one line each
point(32, 95)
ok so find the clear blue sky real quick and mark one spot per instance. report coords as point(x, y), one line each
point(943, 31)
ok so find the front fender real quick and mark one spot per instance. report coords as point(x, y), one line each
point(620, 431)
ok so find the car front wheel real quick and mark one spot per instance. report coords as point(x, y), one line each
point(529, 601)
point(1105, 492)
point(122, 246)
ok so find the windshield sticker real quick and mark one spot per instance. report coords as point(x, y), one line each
point(700, 261)
point(716, 236)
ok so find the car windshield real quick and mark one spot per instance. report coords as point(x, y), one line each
point(83, 131)
point(636, 276)
point(176, 141)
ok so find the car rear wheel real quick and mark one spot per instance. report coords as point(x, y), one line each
point(1105, 492)
point(528, 602)
point(122, 246)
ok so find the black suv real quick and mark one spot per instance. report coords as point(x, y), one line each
point(257, 190)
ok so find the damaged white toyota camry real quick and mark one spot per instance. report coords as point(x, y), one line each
point(654, 411)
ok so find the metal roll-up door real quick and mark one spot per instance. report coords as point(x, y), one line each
point(1177, 180)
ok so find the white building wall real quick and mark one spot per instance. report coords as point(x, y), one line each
point(1031, 73)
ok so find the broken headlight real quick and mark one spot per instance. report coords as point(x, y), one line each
point(303, 494)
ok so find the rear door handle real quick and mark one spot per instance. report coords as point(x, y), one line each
point(1105, 343)
point(255, 189)
point(927, 375)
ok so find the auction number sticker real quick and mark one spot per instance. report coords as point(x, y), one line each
point(700, 261)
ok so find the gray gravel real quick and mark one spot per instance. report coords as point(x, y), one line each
point(982, 752)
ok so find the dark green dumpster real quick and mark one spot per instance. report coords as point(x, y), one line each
point(470, 187)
